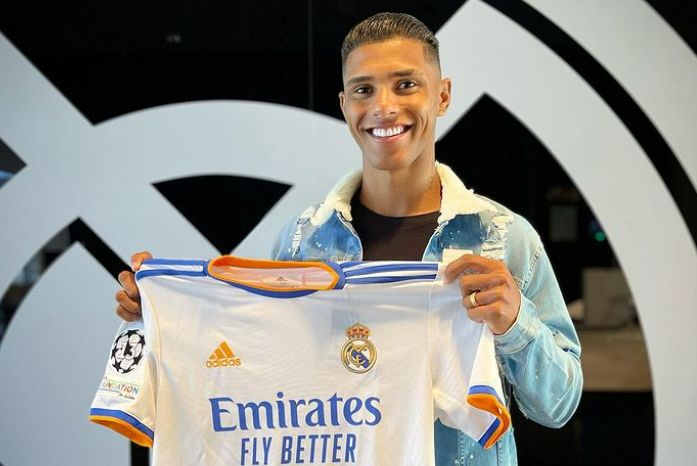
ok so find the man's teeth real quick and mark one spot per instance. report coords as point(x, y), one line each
point(387, 132)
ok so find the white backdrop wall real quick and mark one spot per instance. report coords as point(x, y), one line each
point(52, 354)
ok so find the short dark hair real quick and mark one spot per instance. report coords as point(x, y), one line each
point(384, 26)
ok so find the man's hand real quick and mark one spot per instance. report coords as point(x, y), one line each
point(496, 299)
point(128, 298)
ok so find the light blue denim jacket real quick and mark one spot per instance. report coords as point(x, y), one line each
point(539, 356)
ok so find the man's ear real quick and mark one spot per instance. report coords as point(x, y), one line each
point(444, 96)
point(342, 101)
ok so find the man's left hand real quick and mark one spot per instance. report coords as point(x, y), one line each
point(489, 292)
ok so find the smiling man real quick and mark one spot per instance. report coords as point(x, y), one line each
point(404, 205)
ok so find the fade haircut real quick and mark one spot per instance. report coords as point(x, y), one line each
point(385, 26)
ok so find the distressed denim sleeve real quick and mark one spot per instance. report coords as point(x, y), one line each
point(540, 354)
point(280, 249)
point(287, 245)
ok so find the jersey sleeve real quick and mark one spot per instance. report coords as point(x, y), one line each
point(126, 398)
point(467, 388)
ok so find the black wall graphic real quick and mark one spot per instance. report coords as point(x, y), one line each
point(109, 60)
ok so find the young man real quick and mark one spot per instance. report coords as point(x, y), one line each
point(404, 205)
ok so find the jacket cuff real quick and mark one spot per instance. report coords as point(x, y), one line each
point(523, 330)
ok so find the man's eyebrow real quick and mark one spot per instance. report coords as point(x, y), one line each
point(404, 73)
point(399, 74)
point(358, 79)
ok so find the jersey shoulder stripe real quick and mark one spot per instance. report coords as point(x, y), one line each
point(388, 279)
point(174, 262)
point(153, 272)
point(354, 268)
point(172, 267)
point(358, 273)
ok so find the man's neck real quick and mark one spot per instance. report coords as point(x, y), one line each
point(401, 193)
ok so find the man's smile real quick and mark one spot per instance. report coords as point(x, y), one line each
point(388, 133)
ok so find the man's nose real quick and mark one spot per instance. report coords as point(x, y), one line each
point(384, 105)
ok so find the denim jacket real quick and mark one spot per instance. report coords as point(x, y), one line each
point(539, 356)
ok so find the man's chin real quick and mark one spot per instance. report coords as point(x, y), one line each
point(386, 162)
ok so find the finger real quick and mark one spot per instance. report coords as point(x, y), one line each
point(476, 314)
point(470, 263)
point(455, 268)
point(138, 258)
point(470, 300)
point(488, 313)
point(493, 316)
point(474, 282)
point(131, 305)
point(125, 315)
point(488, 296)
point(128, 282)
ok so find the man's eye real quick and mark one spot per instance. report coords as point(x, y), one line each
point(361, 90)
point(406, 85)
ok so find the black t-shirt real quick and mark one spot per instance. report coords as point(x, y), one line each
point(392, 238)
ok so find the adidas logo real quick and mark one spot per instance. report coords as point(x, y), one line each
point(223, 357)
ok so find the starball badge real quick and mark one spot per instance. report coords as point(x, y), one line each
point(127, 351)
point(359, 353)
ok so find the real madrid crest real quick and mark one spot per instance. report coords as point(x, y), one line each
point(359, 353)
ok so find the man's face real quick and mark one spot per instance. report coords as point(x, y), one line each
point(392, 96)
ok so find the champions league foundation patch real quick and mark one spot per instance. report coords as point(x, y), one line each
point(359, 353)
point(118, 388)
point(127, 351)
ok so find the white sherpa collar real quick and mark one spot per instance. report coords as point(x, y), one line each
point(456, 198)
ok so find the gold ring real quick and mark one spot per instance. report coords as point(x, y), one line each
point(473, 299)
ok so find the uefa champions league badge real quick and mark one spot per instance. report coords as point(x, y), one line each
point(359, 353)
point(127, 351)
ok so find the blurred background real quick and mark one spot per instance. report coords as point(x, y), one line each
point(85, 87)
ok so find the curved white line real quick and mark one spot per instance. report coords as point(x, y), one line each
point(482, 50)
point(646, 56)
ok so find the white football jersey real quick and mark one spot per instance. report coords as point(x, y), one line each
point(246, 362)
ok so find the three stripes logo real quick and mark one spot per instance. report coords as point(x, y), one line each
point(223, 356)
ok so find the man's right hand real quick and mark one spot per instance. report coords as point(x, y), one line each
point(128, 298)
